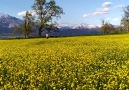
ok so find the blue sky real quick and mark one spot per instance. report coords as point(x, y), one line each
point(76, 11)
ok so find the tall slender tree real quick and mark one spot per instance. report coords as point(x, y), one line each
point(46, 11)
point(27, 27)
point(125, 19)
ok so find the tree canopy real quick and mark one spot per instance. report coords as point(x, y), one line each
point(45, 12)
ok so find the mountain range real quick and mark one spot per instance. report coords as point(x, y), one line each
point(8, 22)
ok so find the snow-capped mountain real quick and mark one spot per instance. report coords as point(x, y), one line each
point(79, 26)
point(8, 22)
point(85, 26)
point(76, 30)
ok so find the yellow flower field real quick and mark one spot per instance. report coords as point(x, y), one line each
point(70, 63)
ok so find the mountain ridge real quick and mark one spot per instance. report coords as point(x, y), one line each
point(8, 22)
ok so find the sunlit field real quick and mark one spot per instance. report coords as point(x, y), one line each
point(70, 63)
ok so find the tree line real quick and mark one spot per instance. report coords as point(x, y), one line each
point(45, 11)
point(108, 28)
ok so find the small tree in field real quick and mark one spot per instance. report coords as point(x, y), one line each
point(27, 27)
point(107, 28)
point(46, 11)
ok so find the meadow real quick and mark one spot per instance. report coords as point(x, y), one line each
point(70, 63)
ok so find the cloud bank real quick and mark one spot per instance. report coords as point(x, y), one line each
point(116, 19)
point(119, 6)
point(103, 10)
point(99, 11)
point(112, 19)
point(23, 13)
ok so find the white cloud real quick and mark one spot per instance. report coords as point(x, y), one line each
point(102, 10)
point(32, 12)
point(99, 11)
point(106, 4)
point(116, 19)
point(107, 19)
point(23, 13)
point(119, 6)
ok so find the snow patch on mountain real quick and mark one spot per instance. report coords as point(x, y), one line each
point(79, 26)
point(4, 15)
point(9, 21)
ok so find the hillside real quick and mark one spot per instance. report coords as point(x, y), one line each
point(7, 23)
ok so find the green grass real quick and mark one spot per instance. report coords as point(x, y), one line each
point(70, 63)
